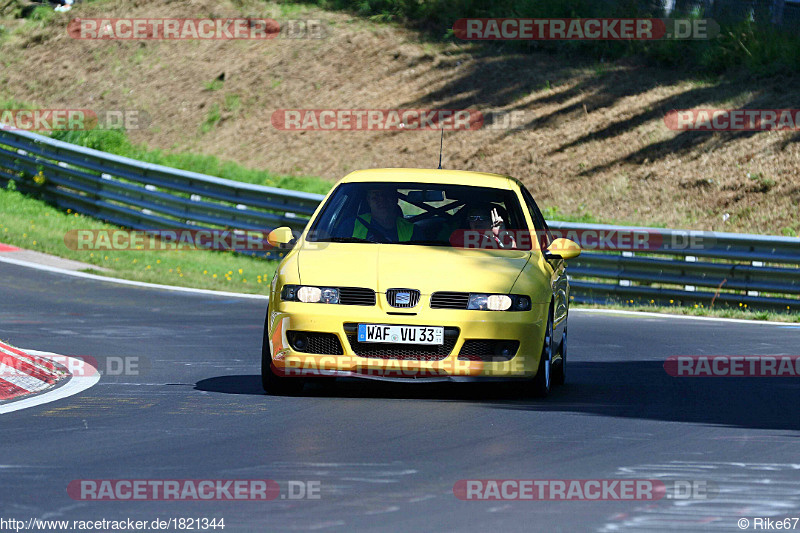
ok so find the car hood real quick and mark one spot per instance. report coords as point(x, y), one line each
point(425, 268)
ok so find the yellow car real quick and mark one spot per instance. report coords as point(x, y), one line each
point(419, 274)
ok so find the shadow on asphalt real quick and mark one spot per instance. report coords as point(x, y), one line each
point(358, 388)
point(632, 389)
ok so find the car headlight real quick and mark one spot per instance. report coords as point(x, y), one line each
point(498, 302)
point(310, 294)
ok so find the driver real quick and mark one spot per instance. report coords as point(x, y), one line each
point(384, 222)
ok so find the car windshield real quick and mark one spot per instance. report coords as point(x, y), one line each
point(420, 214)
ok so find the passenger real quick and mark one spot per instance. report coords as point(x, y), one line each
point(487, 219)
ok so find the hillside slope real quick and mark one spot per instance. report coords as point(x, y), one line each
point(593, 140)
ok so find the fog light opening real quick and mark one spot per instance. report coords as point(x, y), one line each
point(300, 342)
point(504, 350)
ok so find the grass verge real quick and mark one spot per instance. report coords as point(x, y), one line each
point(32, 224)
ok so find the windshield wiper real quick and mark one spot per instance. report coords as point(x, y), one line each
point(345, 239)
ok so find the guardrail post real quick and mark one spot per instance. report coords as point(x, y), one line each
point(690, 259)
point(625, 282)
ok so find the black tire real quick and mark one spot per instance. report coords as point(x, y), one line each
point(272, 383)
point(560, 370)
point(542, 382)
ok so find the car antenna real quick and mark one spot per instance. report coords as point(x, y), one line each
point(441, 145)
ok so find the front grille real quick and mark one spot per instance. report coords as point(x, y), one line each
point(486, 350)
point(402, 297)
point(312, 342)
point(406, 352)
point(356, 296)
point(449, 300)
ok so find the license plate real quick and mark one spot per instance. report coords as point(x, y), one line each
point(400, 334)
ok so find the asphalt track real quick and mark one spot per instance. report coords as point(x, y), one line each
point(387, 455)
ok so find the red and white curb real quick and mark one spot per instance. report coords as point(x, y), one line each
point(22, 373)
point(32, 373)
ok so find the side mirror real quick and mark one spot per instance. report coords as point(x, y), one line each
point(562, 249)
point(280, 237)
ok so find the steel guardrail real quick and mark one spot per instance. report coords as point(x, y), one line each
point(697, 268)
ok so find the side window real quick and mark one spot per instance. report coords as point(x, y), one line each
point(545, 237)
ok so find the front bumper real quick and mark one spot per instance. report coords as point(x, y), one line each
point(525, 327)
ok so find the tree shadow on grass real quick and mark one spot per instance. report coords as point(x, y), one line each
point(507, 81)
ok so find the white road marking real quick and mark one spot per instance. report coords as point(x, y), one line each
point(647, 314)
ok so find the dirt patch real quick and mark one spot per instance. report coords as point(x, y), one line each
point(592, 139)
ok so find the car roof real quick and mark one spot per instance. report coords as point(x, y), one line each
point(431, 175)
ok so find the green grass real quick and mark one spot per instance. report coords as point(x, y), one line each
point(214, 85)
point(212, 119)
point(41, 16)
point(232, 102)
point(32, 224)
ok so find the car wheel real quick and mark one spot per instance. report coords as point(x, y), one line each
point(560, 370)
point(543, 380)
point(273, 383)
